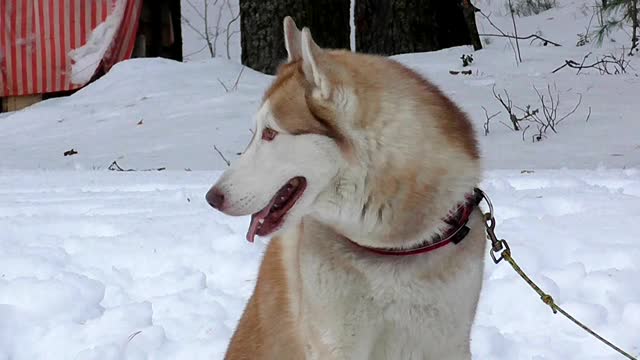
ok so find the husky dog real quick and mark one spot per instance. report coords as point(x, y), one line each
point(358, 169)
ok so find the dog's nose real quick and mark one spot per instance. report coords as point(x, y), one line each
point(215, 198)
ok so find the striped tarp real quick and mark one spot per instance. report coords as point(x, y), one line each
point(36, 37)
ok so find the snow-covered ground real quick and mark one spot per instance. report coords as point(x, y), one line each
point(107, 265)
point(103, 265)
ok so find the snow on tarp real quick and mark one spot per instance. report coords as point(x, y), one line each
point(38, 36)
point(87, 58)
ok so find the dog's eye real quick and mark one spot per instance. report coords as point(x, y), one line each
point(268, 134)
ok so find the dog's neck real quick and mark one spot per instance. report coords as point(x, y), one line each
point(455, 232)
point(449, 227)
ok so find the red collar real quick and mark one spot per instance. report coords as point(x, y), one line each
point(458, 230)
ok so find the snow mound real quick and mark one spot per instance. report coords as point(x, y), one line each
point(144, 113)
point(185, 109)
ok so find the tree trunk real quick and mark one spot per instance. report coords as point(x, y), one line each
point(402, 26)
point(261, 34)
point(176, 16)
point(469, 12)
point(635, 24)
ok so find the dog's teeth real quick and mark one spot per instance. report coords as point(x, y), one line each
point(261, 221)
point(281, 198)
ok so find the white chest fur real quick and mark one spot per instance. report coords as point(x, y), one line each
point(361, 306)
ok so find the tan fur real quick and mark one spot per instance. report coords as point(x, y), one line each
point(289, 104)
point(407, 155)
point(295, 112)
point(259, 337)
point(371, 76)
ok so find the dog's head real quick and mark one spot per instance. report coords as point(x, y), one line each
point(293, 155)
point(359, 142)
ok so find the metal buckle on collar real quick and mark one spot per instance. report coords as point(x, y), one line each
point(498, 246)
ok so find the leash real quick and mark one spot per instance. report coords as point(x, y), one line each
point(500, 251)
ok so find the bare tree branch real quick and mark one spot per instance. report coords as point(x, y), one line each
point(508, 105)
point(501, 32)
point(573, 111)
point(486, 123)
point(222, 156)
point(195, 8)
point(229, 33)
point(188, 23)
point(515, 30)
point(524, 131)
point(544, 118)
point(619, 64)
point(116, 167)
point(235, 84)
point(217, 29)
point(211, 32)
point(195, 52)
point(223, 85)
point(532, 36)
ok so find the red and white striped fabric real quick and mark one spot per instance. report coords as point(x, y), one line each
point(37, 35)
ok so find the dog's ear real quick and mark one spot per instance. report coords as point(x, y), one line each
point(312, 64)
point(292, 40)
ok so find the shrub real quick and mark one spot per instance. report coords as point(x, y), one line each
point(531, 7)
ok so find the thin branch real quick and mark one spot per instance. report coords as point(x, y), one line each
point(501, 32)
point(550, 110)
point(222, 156)
point(515, 30)
point(574, 110)
point(235, 84)
point(486, 123)
point(133, 335)
point(524, 131)
point(223, 85)
point(186, 21)
point(212, 49)
point(217, 33)
point(116, 167)
point(505, 124)
point(195, 8)
point(532, 36)
point(620, 64)
point(582, 63)
point(508, 105)
point(230, 34)
point(492, 24)
point(546, 117)
point(195, 52)
point(587, 31)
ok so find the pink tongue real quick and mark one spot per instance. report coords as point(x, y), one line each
point(255, 220)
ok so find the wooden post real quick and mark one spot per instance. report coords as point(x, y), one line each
point(15, 103)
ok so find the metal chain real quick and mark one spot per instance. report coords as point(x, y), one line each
point(500, 251)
